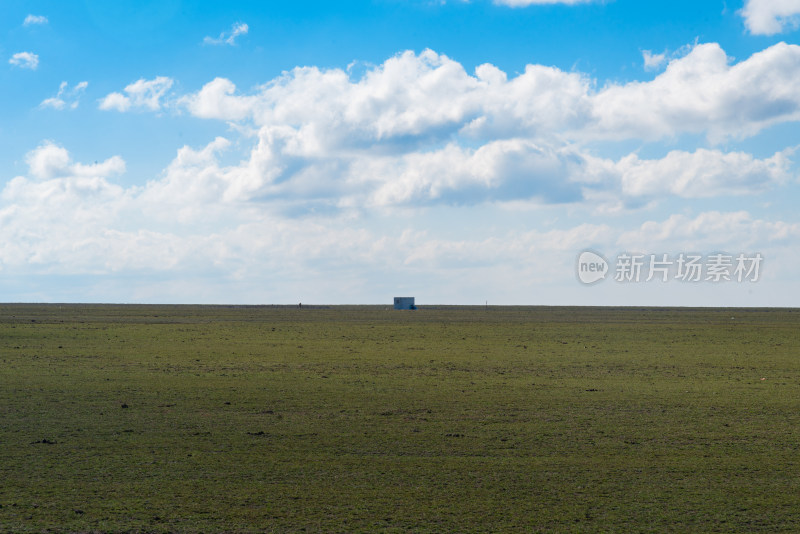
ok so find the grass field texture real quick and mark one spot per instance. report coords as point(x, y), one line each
point(362, 418)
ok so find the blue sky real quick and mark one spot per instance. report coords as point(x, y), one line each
point(349, 152)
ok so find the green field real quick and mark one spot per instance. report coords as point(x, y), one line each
point(362, 418)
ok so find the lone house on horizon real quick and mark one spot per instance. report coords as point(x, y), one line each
point(404, 303)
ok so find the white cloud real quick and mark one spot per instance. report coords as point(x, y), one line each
point(702, 93)
point(280, 170)
point(709, 231)
point(284, 168)
point(53, 102)
point(702, 174)
point(497, 171)
point(50, 160)
point(65, 98)
point(768, 17)
point(237, 29)
point(216, 100)
point(525, 3)
point(192, 182)
point(407, 99)
point(66, 219)
point(653, 61)
point(142, 94)
point(189, 240)
point(52, 220)
point(34, 20)
point(420, 130)
point(25, 60)
point(415, 98)
point(276, 175)
point(115, 101)
point(319, 163)
point(243, 252)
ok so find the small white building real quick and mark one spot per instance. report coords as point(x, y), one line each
point(404, 303)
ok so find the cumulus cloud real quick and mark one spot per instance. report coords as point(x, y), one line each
point(199, 221)
point(237, 29)
point(702, 173)
point(424, 97)
point(703, 93)
point(274, 172)
point(25, 60)
point(142, 94)
point(66, 98)
point(66, 220)
point(115, 101)
point(420, 130)
point(498, 171)
point(318, 162)
point(216, 100)
point(53, 217)
point(70, 218)
point(192, 182)
point(410, 98)
point(31, 20)
point(768, 17)
point(280, 169)
point(711, 230)
point(50, 160)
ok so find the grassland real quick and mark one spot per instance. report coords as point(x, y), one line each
point(346, 419)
